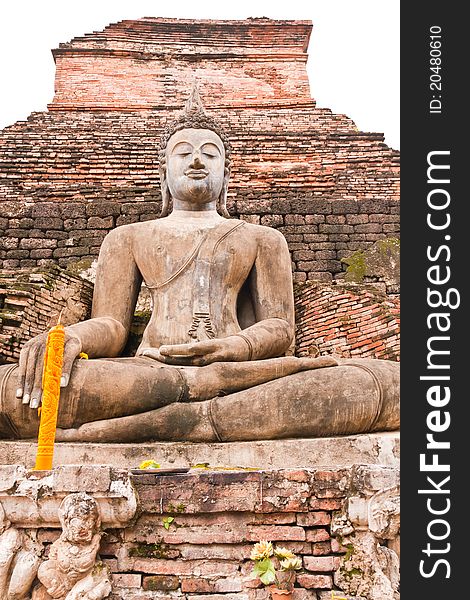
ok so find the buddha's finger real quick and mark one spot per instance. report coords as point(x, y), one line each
point(72, 349)
point(207, 359)
point(22, 365)
point(179, 350)
point(36, 392)
point(30, 371)
point(180, 361)
point(153, 353)
point(195, 349)
point(320, 362)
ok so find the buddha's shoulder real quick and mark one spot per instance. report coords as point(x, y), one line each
point(263, 232)
point(132, 230)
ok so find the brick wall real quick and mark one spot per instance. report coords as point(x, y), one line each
point(218, 516)
point(348, 320)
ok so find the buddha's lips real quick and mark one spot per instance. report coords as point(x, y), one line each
point(196, 173)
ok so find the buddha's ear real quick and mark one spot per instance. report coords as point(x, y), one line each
point(166, 196)
point(222, 199)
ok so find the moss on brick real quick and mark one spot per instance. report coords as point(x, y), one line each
point(150, 551)
point(357, 266)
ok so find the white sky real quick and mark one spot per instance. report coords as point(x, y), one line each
point(354, 50)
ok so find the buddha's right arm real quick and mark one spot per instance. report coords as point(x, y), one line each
point(105, 334)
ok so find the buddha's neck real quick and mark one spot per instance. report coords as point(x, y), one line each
point(201, 216)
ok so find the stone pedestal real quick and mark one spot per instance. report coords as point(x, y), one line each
point(190, 535)
point(373, 448)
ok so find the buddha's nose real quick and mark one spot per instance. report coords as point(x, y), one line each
point(197, 162)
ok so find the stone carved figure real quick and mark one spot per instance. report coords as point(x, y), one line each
point(72, 570)
point(215, 362)
point(19, 560)
point(371, 566)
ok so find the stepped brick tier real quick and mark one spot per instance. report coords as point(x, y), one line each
point(347, 320)
point(31, 302)
point(89, 164)
point(190, 535)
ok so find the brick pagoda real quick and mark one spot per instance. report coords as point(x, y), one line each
point(88, 164)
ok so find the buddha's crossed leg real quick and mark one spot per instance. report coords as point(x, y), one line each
point(107, 389)
point(356, 397)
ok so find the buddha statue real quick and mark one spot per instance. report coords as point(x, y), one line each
point(216, 359)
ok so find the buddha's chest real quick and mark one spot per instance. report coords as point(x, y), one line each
point(193, 261)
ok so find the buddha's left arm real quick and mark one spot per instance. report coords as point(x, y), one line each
point(272, 296)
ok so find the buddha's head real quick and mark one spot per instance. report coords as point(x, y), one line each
point(194, 161)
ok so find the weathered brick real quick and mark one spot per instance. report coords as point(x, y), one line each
point(216, 551)
point(337, 547)
point(368, 228)
point(25, 223)
point(46, 209)
point(48, 223)
point(272, 220)
point(127, 580)
point(276, 533)
point(196, 584)
point(325, 504)
point(321, 564)
point(72, 210)
point(16, 253)
point(237, 596)
point(321, 548)
point(126, 220)
point(40, 253)
point(10, 243)
point(15, 209)
point(317, 535)
point(79, 223)
point(103, 209)
point(164, 583)
point(194, 568)
point(274, 518)
point(100, 222)
point(317, 582)
point(11, 263)
point(36, 243)
point(311, 519)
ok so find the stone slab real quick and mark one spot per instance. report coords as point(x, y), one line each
point(374, 448)
point(31, 499)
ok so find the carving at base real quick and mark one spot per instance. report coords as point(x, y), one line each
point(369, 529)
point(30, 501)
point(201, 327)
point(19, 560)
point(73, 569)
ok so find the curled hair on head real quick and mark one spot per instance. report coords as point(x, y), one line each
point(193, 117)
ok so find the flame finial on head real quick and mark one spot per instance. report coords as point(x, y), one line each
point(194, 104)
point(193, 116)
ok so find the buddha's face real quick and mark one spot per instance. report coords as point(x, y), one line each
point(195, 165)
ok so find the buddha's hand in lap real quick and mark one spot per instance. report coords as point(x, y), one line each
point(31, 364)
point(231, 349)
